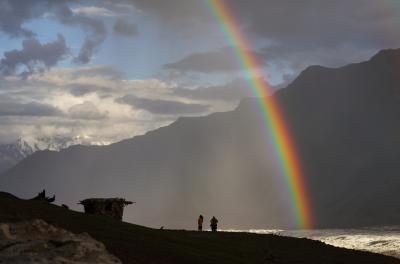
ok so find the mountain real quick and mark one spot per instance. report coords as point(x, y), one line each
point(11, 154)
point(345, 123)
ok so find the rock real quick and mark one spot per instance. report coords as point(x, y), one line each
point(38, 242)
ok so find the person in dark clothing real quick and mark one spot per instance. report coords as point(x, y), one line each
point(214, 224)
point(200, 223)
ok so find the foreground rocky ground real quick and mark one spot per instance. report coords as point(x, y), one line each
point(137, 244)
point(37, 242)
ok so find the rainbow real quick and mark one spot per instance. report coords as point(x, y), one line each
point(273, 118)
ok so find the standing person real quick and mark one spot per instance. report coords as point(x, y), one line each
point(200, 223)
point(214, 224)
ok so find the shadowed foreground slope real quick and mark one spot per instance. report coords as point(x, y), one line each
point(137, 244)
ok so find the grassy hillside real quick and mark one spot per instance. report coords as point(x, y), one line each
point(137, 244)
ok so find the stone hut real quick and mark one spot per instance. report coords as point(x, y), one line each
point(112, 207)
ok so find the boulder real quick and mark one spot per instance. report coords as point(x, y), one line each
point(38, 242)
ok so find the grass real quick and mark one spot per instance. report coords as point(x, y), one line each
point(138, 244)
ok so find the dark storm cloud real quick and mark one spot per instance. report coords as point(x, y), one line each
point(10, 107)
point(231, 91)
point(296, 33)
point(33, 56)
point(313, 23)
point(125, 28)
point(171, 11)
point(14, 13)
point(331, 33)
point(322, 22)
point(162, 107)
point(96, 36)
point(96, 31)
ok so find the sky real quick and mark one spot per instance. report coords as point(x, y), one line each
point(103, 71)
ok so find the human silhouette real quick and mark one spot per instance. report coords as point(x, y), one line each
point(200, 223)
point(214, 224)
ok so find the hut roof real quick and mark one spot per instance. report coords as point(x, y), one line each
point(105, 200)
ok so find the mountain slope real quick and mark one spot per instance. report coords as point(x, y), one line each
point(344, 122)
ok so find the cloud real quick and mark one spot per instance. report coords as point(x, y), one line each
point(291, 35)
point(289, 31)
point(124, 28)
point(11, 107)
point(206, 62)
point(314, 24)
point(102, 80)
point(172, 11)
point(86, 110)
point(94, 11)
point(98, 70)
point(13, 15)
point(34, 56)
point(96, 33)
point(81, 90)
point(230, 91)
point(99, 104)
point(215, 61)
point(48, 104)
point(162, 107)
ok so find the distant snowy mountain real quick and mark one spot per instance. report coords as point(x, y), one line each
point(57, 143)
point(12, 153)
